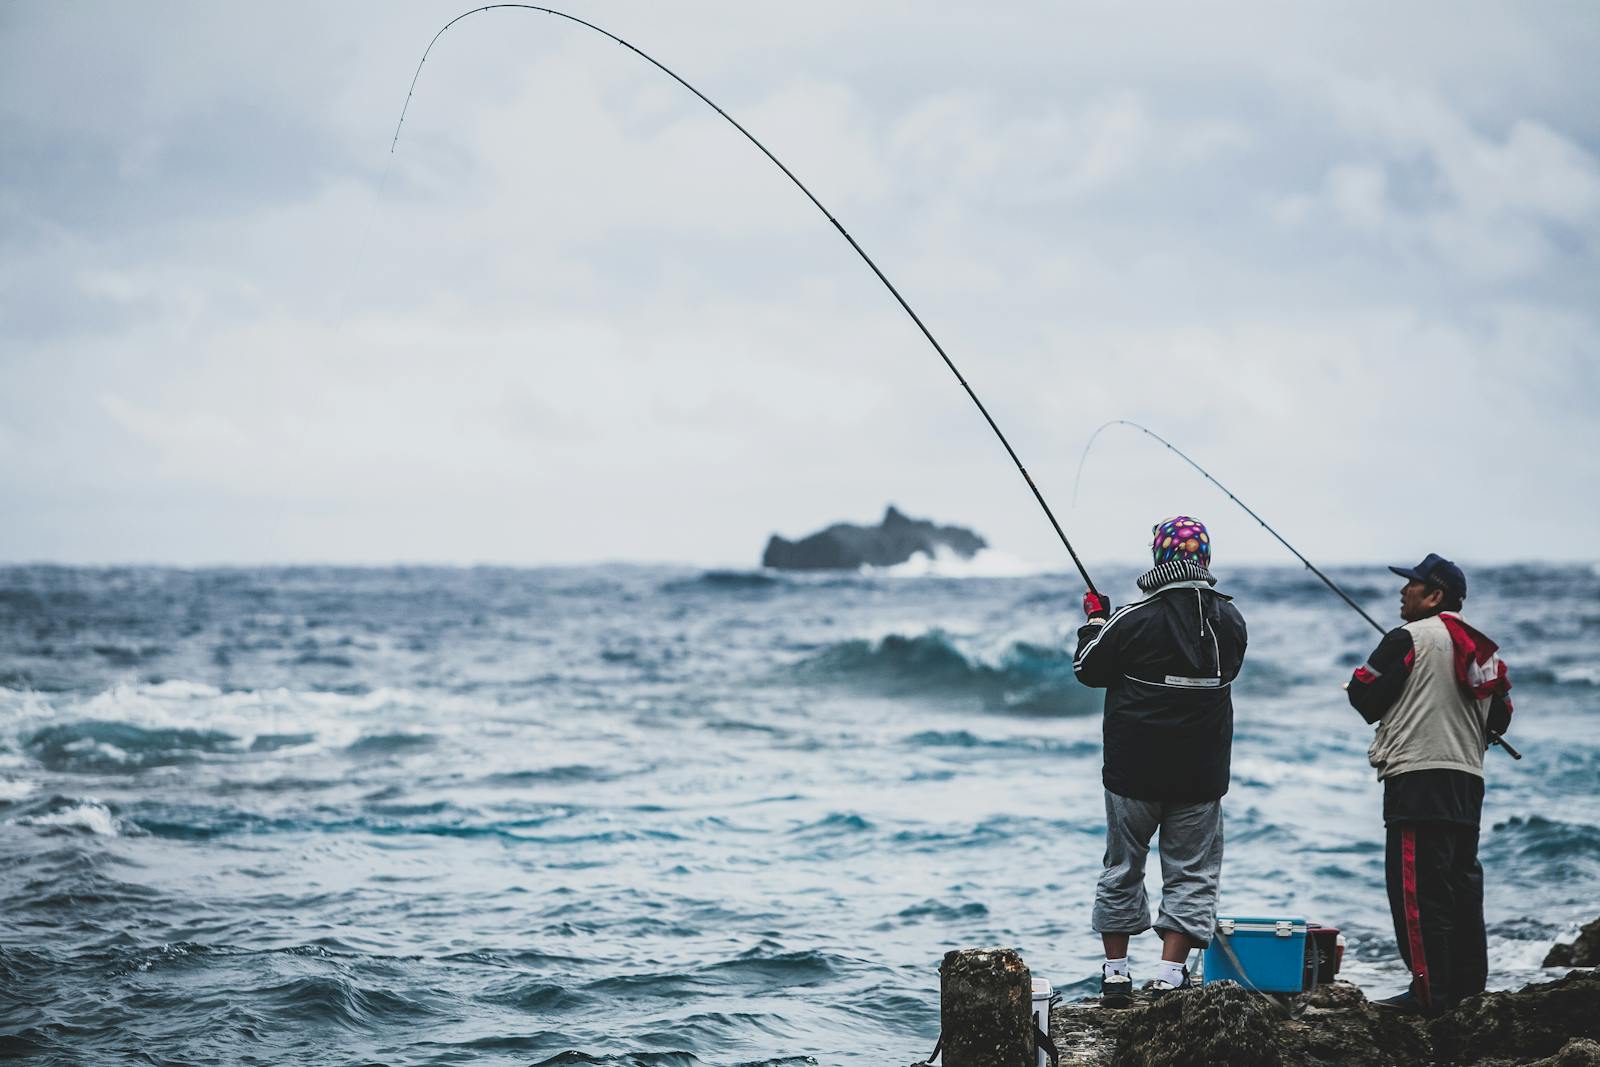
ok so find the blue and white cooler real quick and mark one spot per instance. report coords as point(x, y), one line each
point(1264, 954)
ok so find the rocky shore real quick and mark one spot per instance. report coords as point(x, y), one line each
point(1545, 1024)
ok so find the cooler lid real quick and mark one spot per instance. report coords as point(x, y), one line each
point(1281, 926)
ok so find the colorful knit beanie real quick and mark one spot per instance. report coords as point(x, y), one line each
point(1181, 538)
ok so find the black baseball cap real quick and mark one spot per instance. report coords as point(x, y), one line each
point(1436, 570)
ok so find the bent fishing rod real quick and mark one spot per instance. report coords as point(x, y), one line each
point(937, 347)
point(1329, 582)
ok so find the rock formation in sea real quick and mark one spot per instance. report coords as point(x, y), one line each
point(1583, 952)
point(847, 547)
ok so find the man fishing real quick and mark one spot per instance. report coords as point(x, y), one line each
point(1439, 693)
point(1167, 663)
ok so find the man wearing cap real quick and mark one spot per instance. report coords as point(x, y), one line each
point(1167, 663)
point(1439, 693)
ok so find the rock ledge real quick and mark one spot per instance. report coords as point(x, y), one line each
point(1546, 1024)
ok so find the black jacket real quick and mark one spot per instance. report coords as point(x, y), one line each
point(1167, 664)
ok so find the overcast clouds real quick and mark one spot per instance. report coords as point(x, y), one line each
point(1344, 254)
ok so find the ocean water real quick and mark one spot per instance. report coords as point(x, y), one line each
point(650, 815)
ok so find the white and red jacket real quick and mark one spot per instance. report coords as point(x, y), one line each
point(1438, 691)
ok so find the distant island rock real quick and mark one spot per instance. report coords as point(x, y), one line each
point(847, 547)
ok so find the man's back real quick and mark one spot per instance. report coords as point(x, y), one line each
point(1167, 664)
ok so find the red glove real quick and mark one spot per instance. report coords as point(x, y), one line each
point(1096, 606)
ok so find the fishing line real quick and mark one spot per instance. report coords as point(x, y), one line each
point(809, 196)
point(1329, 582)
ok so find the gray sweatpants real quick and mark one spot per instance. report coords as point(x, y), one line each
point(1191, 867)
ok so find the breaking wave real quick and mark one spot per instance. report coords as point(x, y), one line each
point(131, 728)
point(1023, 677)
point(946, 563)
point(119, 747)
point(966, 739)
point(66, 815)
point(725, 581)
point(1536, 838)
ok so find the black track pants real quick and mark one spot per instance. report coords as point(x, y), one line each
point(1436, 898)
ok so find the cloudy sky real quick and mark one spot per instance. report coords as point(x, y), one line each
point(1344, 254)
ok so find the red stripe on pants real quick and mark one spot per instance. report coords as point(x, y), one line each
point(1408, 880)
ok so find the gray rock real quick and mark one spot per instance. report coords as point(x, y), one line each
point(1579, 1052)
point(846, 547)
point(1334, 996)
point(1218, 1023)
point(1335, 1024)
point(1547, 1024)
point(1332, 1025)
point(1535, 1021)
point(1583, 952)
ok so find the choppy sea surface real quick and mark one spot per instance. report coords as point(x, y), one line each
point(653, 815)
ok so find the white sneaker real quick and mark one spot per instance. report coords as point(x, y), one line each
point(1158, 987)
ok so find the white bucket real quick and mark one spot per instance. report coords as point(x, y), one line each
point(1041, 1013)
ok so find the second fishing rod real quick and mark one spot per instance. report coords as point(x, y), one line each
point(1494, 739)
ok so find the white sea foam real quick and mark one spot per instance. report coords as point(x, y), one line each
point(245, 714)
point(85, 746)
point(23, 703)
point(952, 629)
point(88, 814)
point(328, 720)
point(180, 704)
point(1273, 773)
point(14, 789)
point(946, 563)
point(179, 689)
point(1587, 672)
point(1518, 955)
